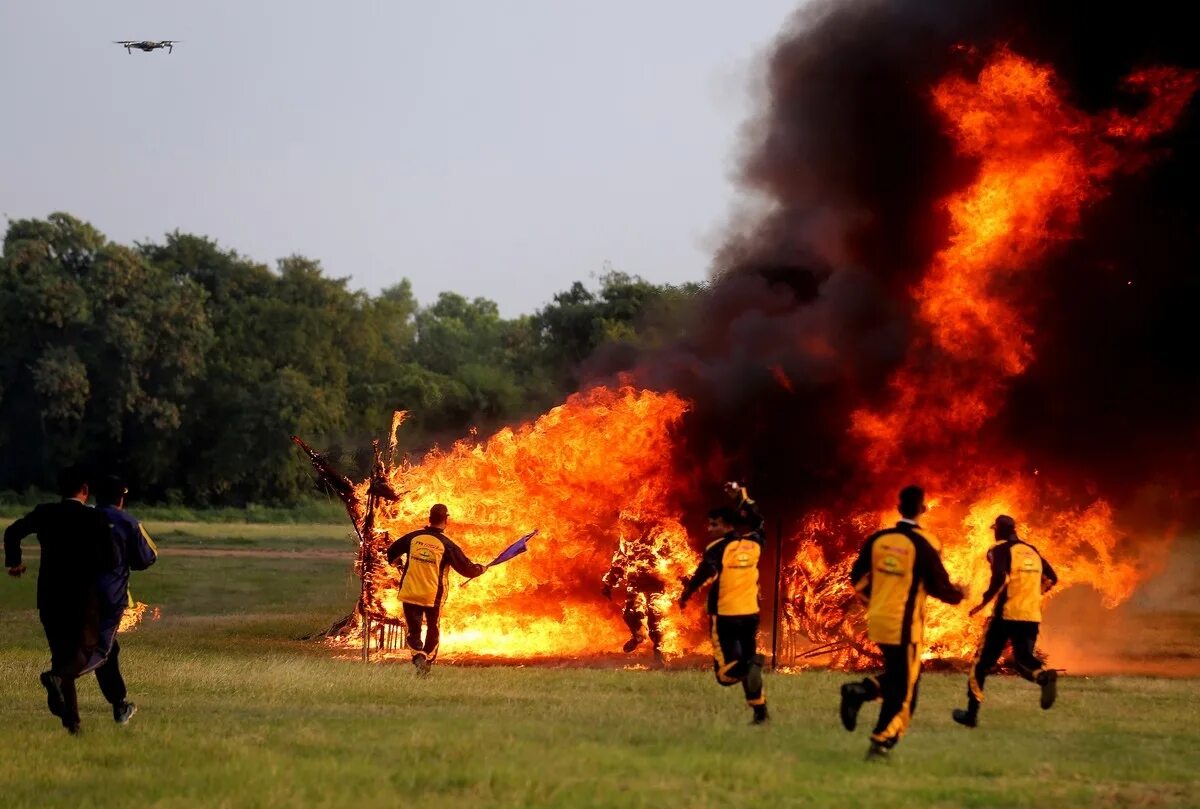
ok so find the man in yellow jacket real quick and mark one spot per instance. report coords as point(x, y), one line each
point(895, 571)
point(1019, 578)
point(730, 563)
point(425, 558)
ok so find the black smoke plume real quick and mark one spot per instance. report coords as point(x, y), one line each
point(809, 309)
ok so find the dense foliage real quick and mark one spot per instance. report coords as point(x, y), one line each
point(187, 366)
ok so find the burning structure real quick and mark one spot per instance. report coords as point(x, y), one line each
point(966, 260)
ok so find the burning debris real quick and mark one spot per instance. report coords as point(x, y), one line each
point(131, 619)
point(933, 286)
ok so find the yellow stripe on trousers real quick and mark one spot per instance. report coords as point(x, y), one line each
point(972, 682)
point(718, 658)
point(899, 723)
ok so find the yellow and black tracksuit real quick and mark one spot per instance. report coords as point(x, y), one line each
point(896, 570)
point(428, 555)
point(1019, 578)
point(731, 564)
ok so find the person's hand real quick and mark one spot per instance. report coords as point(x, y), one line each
point(17, 571)
point(732, 488)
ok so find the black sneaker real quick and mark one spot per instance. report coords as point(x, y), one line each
point(55, 700)
point(878, 752)
point(761, 717)
point(74, 729)
point(965, 717)
point(423, 665)
point(658, 661)
point(1048, 680)
point(852, 700)
point(754, 675)
point(124, 712)
point(632, 644)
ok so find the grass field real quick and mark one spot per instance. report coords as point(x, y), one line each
point(236, 712)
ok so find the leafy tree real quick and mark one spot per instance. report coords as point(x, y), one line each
point(99, 352)
point(189, 366)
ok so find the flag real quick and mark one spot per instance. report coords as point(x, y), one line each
point(515, 549)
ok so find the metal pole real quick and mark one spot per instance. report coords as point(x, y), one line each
point(778, 573)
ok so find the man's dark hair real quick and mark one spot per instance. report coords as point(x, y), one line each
point(725, 513)
point(109, 490)
point(911, 499)
point(71, 480)
point(438, 514)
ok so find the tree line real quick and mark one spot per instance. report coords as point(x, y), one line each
point(187, 366)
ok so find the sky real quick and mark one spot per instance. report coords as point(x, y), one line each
point(496, 149)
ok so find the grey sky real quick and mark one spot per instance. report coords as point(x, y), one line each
point(493, 148)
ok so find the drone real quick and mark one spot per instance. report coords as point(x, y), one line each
point(146, 45)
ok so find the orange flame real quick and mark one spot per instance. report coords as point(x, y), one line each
point(579, 474)
point(1040, 163)
point(132, 617)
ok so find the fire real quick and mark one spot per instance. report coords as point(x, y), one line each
point(1040, 164)
point(599, 469)
point(582, 474)
point(132, 617)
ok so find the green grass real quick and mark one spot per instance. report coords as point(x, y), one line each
point(322, 511)
point(254, 536)
point(236, 712)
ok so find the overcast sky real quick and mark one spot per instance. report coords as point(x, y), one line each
point(502, 149)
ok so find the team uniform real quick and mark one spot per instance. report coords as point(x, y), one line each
point(731, 564)
point(1019, 578)
point(77, 549)
point(428, 555)
point(896, 570)
point(135, 550)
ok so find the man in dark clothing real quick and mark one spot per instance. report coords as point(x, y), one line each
point(730, 562)
point(428, 555)
point(77, 548)
point(135, 551)
point(1019, 578)
point(894, 572)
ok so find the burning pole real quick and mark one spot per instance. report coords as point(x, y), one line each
point(363, 521)
point(377, 490)
point(775, 598)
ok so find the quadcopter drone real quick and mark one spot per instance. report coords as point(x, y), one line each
point(146, 45)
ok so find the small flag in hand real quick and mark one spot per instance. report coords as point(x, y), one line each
point(515, 549)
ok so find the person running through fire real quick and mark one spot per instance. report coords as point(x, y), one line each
point(1019, 578)
point(731, 563)
point(635, 569)
point(77, 549)
point(428, 554)
point(894, 572)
